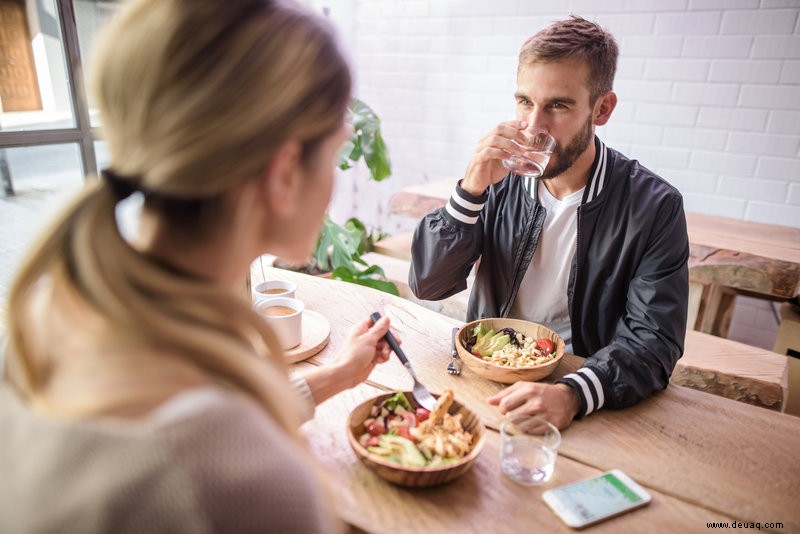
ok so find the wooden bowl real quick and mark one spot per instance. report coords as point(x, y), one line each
point(415, 477)
point(509, 375)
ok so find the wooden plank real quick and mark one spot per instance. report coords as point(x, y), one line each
point(416, 201)
point(397, 246)
point(733, 370)
point(757, 274)
point(759, 239)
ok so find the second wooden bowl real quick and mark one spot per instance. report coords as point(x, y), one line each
point(509, 375)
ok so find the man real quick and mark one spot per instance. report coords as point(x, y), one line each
point(597, 249)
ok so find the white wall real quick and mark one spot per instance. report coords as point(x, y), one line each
point(709, 92)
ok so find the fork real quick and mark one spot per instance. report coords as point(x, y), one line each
point(454, 367)
point(421, 393)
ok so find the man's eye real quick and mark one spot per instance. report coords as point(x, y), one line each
point(558, 105)
point(524, 102)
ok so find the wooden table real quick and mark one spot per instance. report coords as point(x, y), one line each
point(727, 257)
point(704, 458)
point(730, 257)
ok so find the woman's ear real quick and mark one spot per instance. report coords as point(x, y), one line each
point(282, 178)
point(603, 107)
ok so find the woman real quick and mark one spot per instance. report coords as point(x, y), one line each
point(141, 393)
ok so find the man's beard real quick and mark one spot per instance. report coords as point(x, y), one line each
point(565, 157)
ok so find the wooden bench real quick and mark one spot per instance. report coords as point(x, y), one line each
point(730, 257)
point(733, 370)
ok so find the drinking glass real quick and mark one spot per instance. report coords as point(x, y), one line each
point(528, 458)
point(537, 152)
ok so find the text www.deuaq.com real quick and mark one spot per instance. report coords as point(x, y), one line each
point(744, 524)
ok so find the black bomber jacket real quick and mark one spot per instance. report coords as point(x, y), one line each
point(628, 286)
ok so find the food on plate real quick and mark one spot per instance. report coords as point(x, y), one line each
point(416, 438)
point(509, 348)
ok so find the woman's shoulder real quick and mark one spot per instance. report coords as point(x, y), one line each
point(245, 470)
point(206, 460)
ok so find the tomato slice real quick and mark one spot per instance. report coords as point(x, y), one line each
point(403, 432)
point(373, 441)
point(422, 414)
point(545, 345)
point(375, 428)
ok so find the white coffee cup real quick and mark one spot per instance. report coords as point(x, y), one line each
point(285, 317)
point(272, 289)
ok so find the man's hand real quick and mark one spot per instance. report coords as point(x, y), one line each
point(529, 404)
point(486, 166)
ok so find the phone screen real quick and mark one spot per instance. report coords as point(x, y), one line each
point(598, 497)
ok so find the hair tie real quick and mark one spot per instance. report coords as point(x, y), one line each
point(122, 187)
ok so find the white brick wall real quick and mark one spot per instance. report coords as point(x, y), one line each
point(709, 92)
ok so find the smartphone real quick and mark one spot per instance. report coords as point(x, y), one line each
point(586, 502)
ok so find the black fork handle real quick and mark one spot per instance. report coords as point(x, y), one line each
point(390, 339)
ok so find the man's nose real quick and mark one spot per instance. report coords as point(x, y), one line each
point(537, 120)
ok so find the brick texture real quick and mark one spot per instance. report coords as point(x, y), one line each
point(709, 92)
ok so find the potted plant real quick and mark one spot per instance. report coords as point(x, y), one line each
point(340, 247)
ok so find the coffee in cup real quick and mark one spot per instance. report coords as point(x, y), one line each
point(273, 288)
point(285, 317)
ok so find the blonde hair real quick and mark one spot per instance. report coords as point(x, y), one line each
point(195, 95)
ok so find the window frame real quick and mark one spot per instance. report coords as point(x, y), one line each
point(82, 134)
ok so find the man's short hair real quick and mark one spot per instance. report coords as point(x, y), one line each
point(576, 38)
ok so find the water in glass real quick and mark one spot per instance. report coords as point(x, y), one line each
point(527, 463)
point(535, 154)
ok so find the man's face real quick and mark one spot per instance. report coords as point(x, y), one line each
point(555, 96)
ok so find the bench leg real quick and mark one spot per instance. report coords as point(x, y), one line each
point(715, 310)
point(695, 303)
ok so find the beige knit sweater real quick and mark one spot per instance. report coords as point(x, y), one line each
point(207, 461)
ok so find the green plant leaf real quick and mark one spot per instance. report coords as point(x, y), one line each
point(381, 285)
point(335, 246)
point(368, 141)
point(371, 277)
point(346, 154)
point(339, 248)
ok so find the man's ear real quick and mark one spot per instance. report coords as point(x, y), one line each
point(603, 107)
point(281, 179)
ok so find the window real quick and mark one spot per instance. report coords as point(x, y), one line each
point(42, 83)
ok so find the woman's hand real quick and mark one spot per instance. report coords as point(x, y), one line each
point(363, 350)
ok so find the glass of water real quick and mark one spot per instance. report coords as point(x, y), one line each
point(537, 152)
point(528, 458)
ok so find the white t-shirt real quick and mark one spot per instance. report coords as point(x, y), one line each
point(542, 295)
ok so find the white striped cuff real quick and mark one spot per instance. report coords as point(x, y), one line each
point(464, 207)
point(589, 388)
